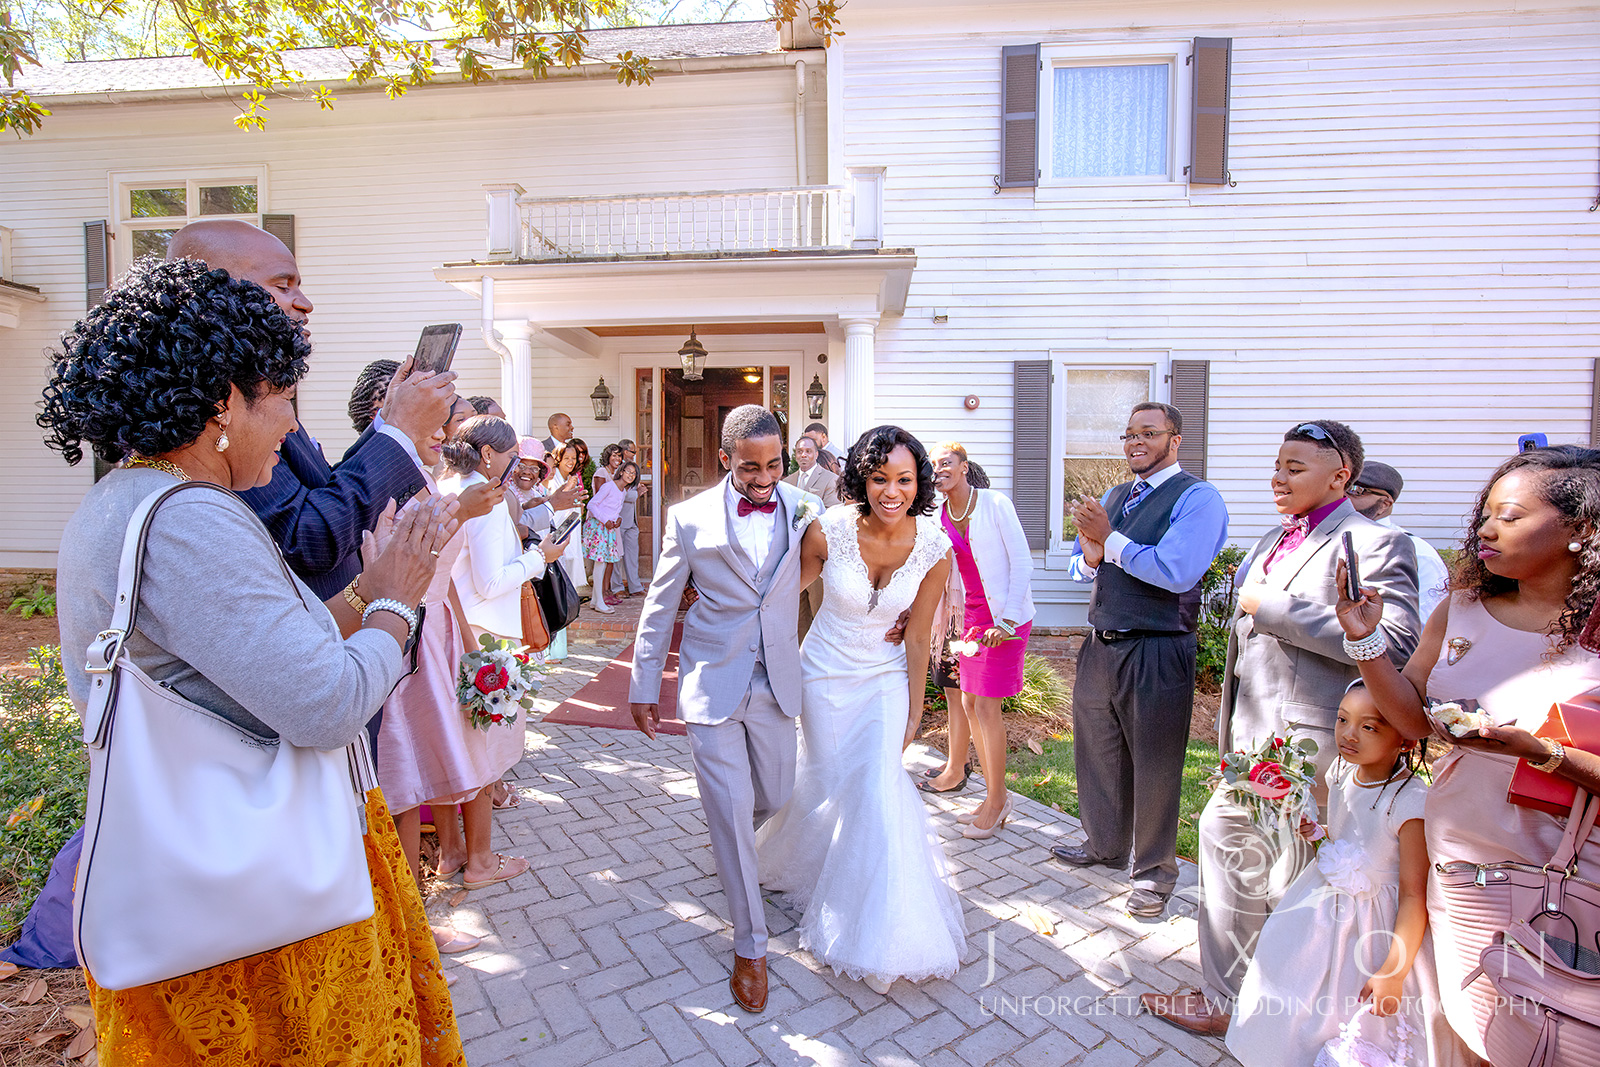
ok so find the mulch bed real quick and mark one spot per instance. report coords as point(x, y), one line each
point(19, 635)
point(1062, 652)
point(39, 1033)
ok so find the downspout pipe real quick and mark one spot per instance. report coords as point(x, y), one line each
point(510, 397)
point(800, 122)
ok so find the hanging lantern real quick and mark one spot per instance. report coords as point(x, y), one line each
point(601, 399)
point(693, 355)
point(816, 396)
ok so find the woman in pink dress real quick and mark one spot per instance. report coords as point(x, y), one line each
point(1518, 634)
point(990, 586)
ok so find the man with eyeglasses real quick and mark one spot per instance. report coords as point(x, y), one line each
point(1287, 668)
point(1145, 546)
point(1374, 496)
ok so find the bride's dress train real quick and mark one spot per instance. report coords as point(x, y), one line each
point(854, 846)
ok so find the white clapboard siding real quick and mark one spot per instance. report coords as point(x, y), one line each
point(382, 192)
point(1407, 248)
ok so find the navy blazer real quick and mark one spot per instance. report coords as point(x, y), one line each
point(318, 513)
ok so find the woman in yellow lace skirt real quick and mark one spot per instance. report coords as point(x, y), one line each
point(367, 994)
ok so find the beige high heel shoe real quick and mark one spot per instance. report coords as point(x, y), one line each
point(975, 832)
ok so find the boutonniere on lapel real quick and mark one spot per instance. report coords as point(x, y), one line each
point(804, 514)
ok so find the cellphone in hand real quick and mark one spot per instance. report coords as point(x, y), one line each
point(1352, 577)
point(511, 464)
point(436, 348)
point(564, 528)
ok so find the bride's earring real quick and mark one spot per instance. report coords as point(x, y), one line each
point(222, 440)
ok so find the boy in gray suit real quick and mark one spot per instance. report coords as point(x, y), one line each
point(739, 661)
point(1285, 673)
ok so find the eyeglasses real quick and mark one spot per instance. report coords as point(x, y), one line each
point(1365, 490)
point(1144, 435)
point(1317, 433)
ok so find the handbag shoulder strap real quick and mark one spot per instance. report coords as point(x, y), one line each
point(1585, 812)
point(107, 647)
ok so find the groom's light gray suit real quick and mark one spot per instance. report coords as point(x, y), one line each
point(738, 679)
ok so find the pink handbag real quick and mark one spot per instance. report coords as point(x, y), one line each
point(1544, 957)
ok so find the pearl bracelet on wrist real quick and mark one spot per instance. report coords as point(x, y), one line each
point(395, 607)
point(1371, 646)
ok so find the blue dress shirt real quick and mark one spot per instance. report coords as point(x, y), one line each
point(1176, 563)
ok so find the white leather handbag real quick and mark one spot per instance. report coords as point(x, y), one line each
point(204, 843)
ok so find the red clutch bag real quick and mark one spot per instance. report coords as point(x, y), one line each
point(1575, 726)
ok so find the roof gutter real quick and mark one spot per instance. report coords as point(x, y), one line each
point(444, 80)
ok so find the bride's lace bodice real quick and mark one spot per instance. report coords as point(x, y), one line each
point(853, 613)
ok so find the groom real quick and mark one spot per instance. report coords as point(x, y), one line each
point(739, 661)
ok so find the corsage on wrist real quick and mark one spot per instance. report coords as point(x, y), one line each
point(1371, 646)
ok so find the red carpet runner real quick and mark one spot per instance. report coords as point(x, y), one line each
point(604, 701)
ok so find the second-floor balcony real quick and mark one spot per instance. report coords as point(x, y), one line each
point(654, 224)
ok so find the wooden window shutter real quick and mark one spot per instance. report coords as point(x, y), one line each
point(1594, 407)
point(281, 227)
point(96, 261)
point(1208, 142)
point(1191, 395)
point(1019, 116)
point(1031, 462)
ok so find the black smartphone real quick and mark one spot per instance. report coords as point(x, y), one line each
point(1352, 577)
point(563, 529)
point(436, 348)
point(511, 465)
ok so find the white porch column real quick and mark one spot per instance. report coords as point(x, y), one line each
point(516, 375)
point(859, 409)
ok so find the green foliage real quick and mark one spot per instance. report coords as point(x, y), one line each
point(1216, 615)
point(395, 44)
point(1052, 778)
point(40, 600)
point(1043, 690)
point(43, 777)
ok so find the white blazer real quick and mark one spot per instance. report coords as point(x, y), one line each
point(491, 567)
point(1005, 563)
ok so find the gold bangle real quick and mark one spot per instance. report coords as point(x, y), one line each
point(354, 599)
point(1557, 752)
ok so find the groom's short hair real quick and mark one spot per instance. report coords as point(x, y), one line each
point(745, 422)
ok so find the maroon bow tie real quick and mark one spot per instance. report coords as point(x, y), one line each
point(745, 507)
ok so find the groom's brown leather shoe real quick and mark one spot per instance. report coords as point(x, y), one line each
point(749, 984)
point(1191, 1011)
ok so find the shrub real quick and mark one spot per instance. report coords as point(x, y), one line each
point(43, 777)
point(1043, 690)
point(37, 601)
point(1216, 615)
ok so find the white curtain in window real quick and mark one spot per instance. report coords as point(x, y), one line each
point(1110, 122)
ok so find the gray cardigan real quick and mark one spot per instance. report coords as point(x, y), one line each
point(218, 620)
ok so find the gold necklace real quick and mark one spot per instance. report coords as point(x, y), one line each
point(165, 465)
point(972, 502)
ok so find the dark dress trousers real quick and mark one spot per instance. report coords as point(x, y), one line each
point(1132, 701)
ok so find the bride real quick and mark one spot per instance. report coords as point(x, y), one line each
point(854, 845)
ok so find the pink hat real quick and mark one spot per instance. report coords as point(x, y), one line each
point(531, 448)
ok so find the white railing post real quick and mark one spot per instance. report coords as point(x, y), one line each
point(502, 236)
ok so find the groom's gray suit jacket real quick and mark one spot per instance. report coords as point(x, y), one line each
point(740, 612)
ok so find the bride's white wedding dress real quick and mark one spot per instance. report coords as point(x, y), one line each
point(854, 846)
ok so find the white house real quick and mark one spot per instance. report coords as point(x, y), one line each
point(1000, 223)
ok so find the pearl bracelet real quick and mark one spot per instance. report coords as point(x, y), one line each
point(1371, 646)
point(391, 605)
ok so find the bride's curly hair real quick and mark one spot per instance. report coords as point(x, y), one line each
point(1571, 485)
point(143, 372)
point(870, 452)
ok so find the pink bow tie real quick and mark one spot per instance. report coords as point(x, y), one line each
point(1293, 523)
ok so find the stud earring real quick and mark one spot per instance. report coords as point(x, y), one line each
point(222, 441)
point(1574, 546)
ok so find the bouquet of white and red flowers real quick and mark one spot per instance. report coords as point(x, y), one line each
point(495, 680)
point(1272, 781)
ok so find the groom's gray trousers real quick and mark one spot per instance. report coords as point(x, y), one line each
point(745, 767)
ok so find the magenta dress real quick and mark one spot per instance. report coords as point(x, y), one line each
point(993, 672)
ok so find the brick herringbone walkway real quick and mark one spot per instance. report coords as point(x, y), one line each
point(614, 948)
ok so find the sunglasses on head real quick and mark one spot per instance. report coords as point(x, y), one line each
point(1317, 433)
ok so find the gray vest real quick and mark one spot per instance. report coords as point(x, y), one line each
point(763, 577)
point(1121, 601)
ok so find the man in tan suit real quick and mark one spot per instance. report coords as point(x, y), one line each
point(815, 479)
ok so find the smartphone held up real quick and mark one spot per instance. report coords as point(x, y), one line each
point(1352, 574)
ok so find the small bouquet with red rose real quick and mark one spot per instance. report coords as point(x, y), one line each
point(970, 643)
point(496, 680)
point(1273, 781)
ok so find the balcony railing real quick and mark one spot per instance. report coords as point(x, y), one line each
point(738, 220)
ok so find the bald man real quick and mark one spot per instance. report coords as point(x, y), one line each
point(315, 512)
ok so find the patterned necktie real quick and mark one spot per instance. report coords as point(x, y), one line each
point(1136, 494)
point(745, 507)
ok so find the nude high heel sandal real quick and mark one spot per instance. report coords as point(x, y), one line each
point(976, 833)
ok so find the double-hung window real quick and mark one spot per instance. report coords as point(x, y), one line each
point(1109, 115)
point(1093, 396)
point(151, 208)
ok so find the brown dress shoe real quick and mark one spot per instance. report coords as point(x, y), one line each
point(749, 984)
point(1191, 1011)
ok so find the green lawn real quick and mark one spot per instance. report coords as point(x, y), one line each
point(1053, 779)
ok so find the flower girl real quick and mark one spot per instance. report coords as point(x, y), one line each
point(1347, 949)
